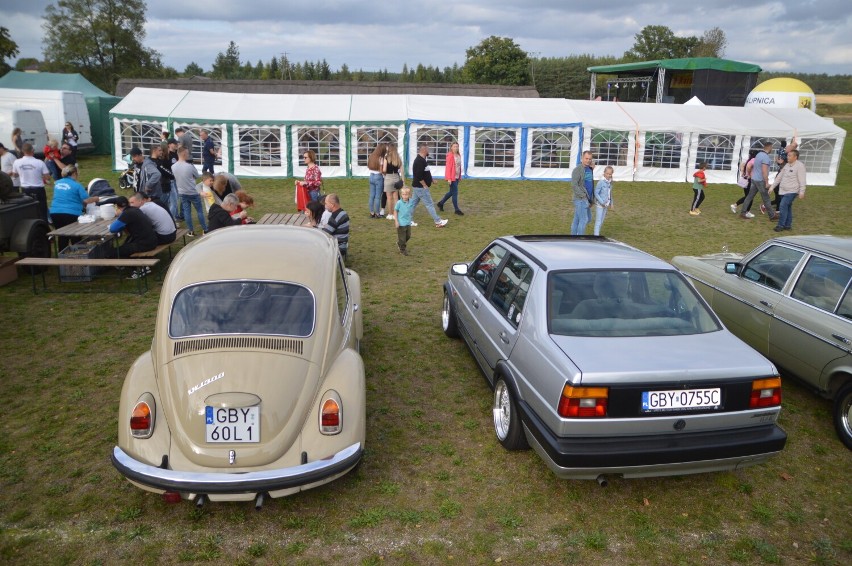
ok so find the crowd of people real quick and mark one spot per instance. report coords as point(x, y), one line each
point(753, 175)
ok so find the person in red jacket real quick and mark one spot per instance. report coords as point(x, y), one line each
point(452, 174)
point(699, 183)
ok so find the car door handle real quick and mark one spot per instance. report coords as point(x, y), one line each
point(843, 339)
point(766, 304)
point(475, 304)
point(504, 338)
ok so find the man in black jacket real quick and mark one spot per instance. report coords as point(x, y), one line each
point(141, 236)
point(219, 216)
point(422, 180)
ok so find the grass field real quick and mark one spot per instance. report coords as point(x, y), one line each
point(435, 486)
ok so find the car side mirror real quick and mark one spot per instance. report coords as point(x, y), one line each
point(733, 268)
point(459, 269)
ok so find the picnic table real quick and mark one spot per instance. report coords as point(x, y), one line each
point(96, 229)
point(296, 219)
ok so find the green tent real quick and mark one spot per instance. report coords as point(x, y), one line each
point(98, 102)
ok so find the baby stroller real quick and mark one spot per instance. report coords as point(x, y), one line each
point(127, 180)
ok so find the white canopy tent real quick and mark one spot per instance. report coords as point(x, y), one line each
point(502, 138)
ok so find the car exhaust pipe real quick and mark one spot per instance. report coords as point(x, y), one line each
point(199, 501)
point(258, 502)
point(601, 479)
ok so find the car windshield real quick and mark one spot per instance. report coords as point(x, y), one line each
point(625, 303)
point(242, 307)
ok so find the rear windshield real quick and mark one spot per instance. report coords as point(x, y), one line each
point(242, 307)
point(625, 303)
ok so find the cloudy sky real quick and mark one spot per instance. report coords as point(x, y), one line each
point(801, 35)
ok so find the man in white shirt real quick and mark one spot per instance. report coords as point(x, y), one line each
point(164, 224)
point(33, 175)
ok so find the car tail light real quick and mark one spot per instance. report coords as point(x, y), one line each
point(142, 419)
point(765, 393)
point(330, 417)
point(171, 497)
point(583, 402)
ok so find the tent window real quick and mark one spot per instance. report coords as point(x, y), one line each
point(324, 141)
point(439, 141)
point(551, 150)
point(494, 148)
point(610, 147)
point(757, 145)
point(215, 133)
point(717, 151)
point(139, 134)
point(369, 138)
point(662, 150)
point(816, 154)
point(260, 147)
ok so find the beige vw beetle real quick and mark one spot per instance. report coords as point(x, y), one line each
point(254, 386)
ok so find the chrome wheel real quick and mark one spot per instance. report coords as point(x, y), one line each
point(502, 410)
point(448, 317)
point(843, 414)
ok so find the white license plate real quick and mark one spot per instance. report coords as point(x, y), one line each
point(233, 424)
point(681, 399)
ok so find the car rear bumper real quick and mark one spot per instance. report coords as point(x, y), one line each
point(247, 482)
point(654, 455)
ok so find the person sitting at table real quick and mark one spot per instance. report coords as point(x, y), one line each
point(315, 210)
point(220, 214)
point(164, 224)
point(69, 200)
point(246, 202)
point(141, 236)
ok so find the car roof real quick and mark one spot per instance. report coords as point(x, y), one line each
point(583, 252)
point(837, 246)
point(281, 253)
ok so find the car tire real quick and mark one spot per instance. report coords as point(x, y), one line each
point(843, 414)
point(448, 317)
point(507, 419)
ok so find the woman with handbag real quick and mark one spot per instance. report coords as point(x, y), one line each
point(313, 175)
point(393, 180)
point(744, 181)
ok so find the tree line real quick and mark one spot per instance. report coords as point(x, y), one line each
point(104, 41)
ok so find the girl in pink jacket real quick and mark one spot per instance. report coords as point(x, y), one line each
point(452, 174)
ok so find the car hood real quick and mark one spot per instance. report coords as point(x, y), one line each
point(652, 359)
point(282, 386)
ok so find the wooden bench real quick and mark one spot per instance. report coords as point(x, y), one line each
point(180, 235)
point(33, 262)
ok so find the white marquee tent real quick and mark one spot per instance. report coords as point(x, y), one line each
point(506, 138)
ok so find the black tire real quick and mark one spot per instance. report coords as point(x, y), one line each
point(38, 245)
point(843, 414)
point(448, 317)
point(507, 419)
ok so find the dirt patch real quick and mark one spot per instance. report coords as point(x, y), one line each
point(834, 98)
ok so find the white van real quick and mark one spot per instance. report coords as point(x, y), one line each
point(32, 127)
point(57, 107)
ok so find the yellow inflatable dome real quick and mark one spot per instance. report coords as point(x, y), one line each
point(782, 93)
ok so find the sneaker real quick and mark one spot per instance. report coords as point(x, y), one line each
point(404, 252)
point(399, 247)
point(441, 206)
point(191, 234)
point(389, 216)
point(734, 208)
point(748, 215)
point(775, 216)
point(763, 209)
point(694, 213)
point(441, 223)
point(459, 213)
point(788, 227)
point(778, 228)
point(414, 224)
point(382, 212)
point(140, 273)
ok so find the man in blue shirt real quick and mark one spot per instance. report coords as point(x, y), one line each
point(208, 153)
point(582, 183)
point(759, 177)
